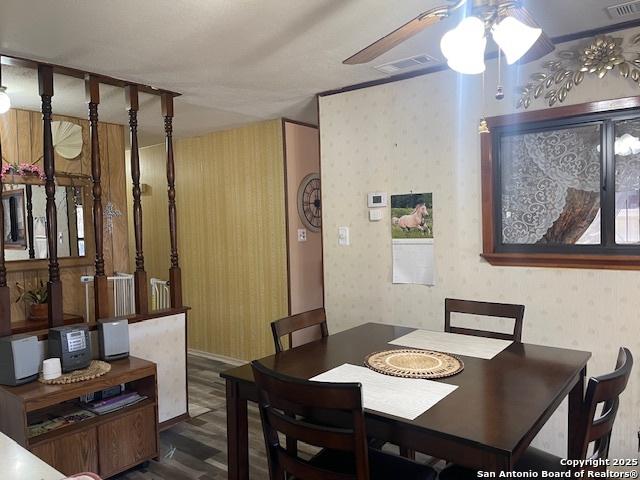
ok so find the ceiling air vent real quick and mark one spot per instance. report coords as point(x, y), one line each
point(411, 63)
point(624, 9)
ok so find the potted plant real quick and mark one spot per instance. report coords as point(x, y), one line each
point(37, 299)
point(21, 170)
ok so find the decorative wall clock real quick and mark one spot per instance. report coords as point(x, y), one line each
point(309, 203)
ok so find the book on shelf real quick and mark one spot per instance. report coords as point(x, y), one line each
point(112, 404)
point(70, 413)
point(57, 418)
point(46, 426)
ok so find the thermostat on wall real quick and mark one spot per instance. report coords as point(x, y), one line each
point(376, 199)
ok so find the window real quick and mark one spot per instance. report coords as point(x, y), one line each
point(561, 187)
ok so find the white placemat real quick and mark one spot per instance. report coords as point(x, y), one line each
point(402, 397)
point(454, 343)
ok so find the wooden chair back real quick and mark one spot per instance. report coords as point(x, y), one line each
point(284, 402)
point(605, 389)
point(487, 309)
point(294, 323)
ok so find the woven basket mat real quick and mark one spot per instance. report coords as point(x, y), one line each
point(414, 363)
point(95, 370)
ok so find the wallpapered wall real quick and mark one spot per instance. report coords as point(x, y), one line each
point(231, 234)
point(421, 135)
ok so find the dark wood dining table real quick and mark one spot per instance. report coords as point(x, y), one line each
point(486, 423)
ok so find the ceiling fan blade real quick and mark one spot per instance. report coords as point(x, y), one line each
point(395, 38)
point(543, 46)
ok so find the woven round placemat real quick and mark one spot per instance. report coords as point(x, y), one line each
point(414, 363)
point(96, 369)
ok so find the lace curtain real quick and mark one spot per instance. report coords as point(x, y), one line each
point(539, 168)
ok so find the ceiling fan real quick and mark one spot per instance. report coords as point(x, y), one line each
point(512, 27)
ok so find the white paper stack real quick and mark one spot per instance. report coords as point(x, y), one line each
point(454, 343)
point(402, 397)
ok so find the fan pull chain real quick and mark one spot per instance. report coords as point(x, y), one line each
point(499, 90)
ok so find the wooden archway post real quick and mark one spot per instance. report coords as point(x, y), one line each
point(175, 276)
point(5, 302)
point(100, 286)
point(28, 190)
point(140, 276)
point(54, 286)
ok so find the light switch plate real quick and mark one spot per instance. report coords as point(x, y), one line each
point(343, 236)
point(302, 234)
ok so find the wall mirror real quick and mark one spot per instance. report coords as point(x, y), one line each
point(24, 204)
point(25, 226)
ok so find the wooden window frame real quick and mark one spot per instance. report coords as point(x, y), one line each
point(621, 259)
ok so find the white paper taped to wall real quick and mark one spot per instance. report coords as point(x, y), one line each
point(413, 261)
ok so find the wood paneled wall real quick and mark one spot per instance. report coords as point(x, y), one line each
point(21, 137)
point(231, 234)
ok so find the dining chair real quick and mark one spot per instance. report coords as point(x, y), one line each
point(595, 430)
point(295, 323)
point(294, 408)
point(487, 309)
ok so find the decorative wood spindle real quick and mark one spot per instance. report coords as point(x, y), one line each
point(140, 276)
point(5, 303)
point(54, 286)
point(100, 286)
point(29, 191)
point(175, 277)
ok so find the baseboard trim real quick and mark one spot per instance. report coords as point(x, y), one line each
point(162, 426)
point(214, 356)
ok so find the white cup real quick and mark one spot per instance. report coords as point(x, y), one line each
point(51, 368)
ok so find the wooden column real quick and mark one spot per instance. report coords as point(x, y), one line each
point(30, 239)
point(45, 83)
point(175, 277)
point(5, 302)
point(140, 276)
point(100, 287)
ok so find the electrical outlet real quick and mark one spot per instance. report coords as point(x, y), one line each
point(302, 234)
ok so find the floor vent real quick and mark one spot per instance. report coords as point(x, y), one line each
point(624, 9)
point(411, 63)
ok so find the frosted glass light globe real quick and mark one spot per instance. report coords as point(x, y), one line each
point(464, 46)
point(5, 101)
point(514, 38)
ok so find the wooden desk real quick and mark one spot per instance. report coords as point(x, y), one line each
point(105, 444)
point(486, 423)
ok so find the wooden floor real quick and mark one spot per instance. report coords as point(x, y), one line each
point(197, 449)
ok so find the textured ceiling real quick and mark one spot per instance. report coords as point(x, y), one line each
point(234, 61)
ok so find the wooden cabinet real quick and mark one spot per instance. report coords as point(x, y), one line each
point(106, 444)
point(72, 453)
point(127, 441)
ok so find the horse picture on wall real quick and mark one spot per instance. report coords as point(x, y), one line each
point(412, 215)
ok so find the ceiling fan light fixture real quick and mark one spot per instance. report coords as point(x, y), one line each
point(464, 46)
point(514, 38)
